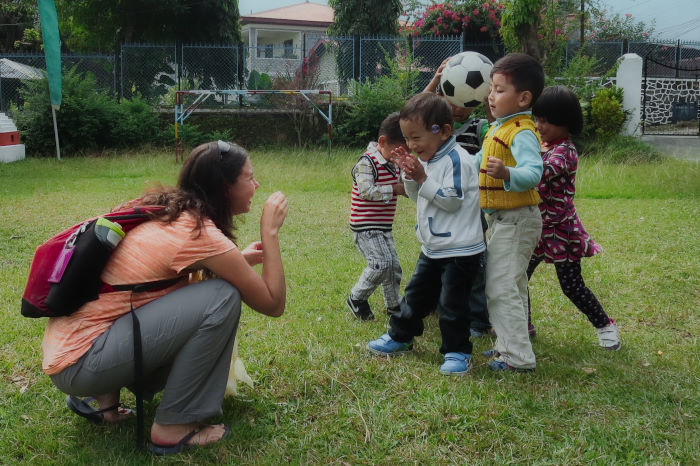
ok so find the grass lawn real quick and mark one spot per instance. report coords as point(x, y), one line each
point(320, 397)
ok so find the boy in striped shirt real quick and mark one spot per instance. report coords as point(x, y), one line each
point(375, 188)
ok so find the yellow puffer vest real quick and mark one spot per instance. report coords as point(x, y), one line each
point(497, 142)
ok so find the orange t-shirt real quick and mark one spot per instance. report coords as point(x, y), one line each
point(150, 252)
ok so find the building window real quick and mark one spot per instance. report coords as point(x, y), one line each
point(268, 50)
point(289, 48)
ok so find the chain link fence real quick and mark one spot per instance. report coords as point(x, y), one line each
point(197, 71)
point(318, 61)
point(330, 60)
point(15, 68)
point(429, 53)
point(147, 70)
point(678, 54)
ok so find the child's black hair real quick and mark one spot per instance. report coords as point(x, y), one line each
point(560, 107)
point(429, 107)
point(523, 71)
point(391, 129)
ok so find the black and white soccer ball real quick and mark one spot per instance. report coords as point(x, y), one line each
point(465, 80)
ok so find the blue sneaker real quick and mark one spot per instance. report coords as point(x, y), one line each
point(491, 353)
point(385, 346)
point(456, 364)
point(499, 365)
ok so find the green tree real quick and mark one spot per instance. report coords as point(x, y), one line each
point(96, 25)
point(19, 21)
point(520, 24)
point(365, 16)
point(540, 28)
point(361, 17)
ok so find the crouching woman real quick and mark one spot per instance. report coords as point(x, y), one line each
point(187, 330)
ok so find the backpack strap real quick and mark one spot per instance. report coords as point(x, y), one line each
point(138, 379)
point(140, 287)
point(138, 348)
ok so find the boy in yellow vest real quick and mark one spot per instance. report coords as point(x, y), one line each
point(510, 168)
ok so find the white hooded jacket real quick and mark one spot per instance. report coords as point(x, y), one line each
point(448, 212)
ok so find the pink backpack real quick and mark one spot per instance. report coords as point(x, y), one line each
point(66, 269)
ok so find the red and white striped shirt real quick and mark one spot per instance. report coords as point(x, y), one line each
point(373, 204)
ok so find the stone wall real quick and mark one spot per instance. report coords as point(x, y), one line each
point(662, 93)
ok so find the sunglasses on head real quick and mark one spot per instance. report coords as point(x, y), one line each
point(224, 147)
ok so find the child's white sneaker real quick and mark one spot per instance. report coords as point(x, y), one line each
point(609, 337)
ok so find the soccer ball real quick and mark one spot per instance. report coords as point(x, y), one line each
point(466, 79)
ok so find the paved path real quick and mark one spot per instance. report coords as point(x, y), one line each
point(682, 147)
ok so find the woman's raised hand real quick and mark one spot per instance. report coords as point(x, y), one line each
point(253, 253)
point(274, 213)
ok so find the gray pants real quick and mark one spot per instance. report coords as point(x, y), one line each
point(513, 235)
point(382, 268)
point(187, 339)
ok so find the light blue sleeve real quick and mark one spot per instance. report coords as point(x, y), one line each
point(528, 163)
point(477, 159)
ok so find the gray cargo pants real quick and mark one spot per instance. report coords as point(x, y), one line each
point(187, 339)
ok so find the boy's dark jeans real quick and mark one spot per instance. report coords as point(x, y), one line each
point(448, 282)
point(478, 311)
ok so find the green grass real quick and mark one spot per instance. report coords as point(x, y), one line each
point(320, 398)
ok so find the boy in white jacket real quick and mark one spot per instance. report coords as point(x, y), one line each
point(444, 183)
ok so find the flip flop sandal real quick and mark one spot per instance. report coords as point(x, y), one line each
point(180, 446)
point(81, 407)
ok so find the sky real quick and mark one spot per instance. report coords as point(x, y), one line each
point(675, 19)
point(256, 6)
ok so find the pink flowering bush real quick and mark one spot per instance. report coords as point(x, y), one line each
point(480, 19)
point(603, 27)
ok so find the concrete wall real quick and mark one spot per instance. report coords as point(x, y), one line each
point(629, 78)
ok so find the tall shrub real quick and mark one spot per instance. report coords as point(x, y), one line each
point(607, 115)
point(370, 104)
point(89, 117)
point(374, 100)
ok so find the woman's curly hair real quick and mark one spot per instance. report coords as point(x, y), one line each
point(202, 188)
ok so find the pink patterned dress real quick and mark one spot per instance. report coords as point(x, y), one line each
point(563, 236)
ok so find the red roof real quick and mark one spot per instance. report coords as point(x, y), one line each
point(301, 14)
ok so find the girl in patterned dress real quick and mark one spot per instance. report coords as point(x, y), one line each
point(564, 240)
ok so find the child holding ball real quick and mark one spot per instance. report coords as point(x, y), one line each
point(564, 241)
point(469, 133)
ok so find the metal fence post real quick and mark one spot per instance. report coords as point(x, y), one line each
point(117, 69)
point(179, 68)
point(356, 53)
point(409, 49)
point(121, 71)
point(2, 107)
point(644, 95)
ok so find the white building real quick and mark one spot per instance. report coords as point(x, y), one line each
point(278, 40)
